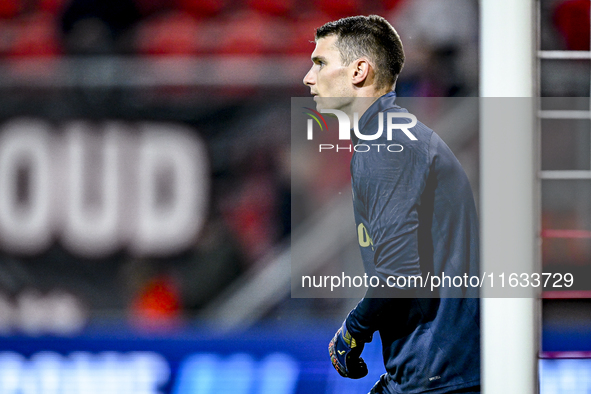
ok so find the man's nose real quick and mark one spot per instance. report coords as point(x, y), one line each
point(309, 78)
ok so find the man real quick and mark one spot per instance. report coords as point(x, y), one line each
point(416, 207)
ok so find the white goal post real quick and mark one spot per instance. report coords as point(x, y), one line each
point(509, 219)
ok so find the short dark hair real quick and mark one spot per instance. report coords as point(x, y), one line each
point(371, 36)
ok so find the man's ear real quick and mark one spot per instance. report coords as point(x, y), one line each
point(361, 71)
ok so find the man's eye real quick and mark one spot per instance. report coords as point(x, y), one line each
point(321, 64)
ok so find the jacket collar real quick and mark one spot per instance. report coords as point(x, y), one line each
point(387, 101)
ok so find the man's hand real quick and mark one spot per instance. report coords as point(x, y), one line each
point(345, 354)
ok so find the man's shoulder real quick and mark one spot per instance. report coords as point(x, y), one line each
point(393, 115)
point(403, 133)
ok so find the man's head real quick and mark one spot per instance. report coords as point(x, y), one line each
point(355, 56)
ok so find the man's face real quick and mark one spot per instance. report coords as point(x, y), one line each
point(328, 77)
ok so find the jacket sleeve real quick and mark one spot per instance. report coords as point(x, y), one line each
point(365, 318)
point(390, 191)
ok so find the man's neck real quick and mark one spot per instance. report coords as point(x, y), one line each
point(360, 105)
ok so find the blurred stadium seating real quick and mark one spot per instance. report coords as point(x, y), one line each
point(225, 70)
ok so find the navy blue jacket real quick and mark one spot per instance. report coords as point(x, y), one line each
point(415, 215)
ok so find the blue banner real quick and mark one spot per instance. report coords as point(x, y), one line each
point(267, 360)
